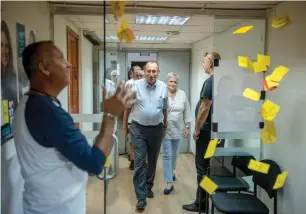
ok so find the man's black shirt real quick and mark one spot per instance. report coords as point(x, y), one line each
point(206, 92)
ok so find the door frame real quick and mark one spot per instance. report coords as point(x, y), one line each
point(69, 31)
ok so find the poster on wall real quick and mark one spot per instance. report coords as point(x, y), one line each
point(9, 88)
point(31, 37)
point(23, 82)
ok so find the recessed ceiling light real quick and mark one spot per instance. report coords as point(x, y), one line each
point(142, 38)
point(161, 20)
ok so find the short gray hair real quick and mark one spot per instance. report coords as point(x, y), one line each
point(172, 74)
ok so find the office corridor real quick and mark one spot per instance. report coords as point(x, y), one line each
point(121, 197)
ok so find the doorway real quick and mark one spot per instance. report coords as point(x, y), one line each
point(73, 58)
point(138, 63)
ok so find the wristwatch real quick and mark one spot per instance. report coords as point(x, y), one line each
point(187, 126)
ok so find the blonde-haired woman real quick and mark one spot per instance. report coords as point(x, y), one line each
point(179, 118)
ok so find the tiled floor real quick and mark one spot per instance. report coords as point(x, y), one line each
point(121, 197)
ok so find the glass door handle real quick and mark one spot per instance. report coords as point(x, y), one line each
point(115, 170)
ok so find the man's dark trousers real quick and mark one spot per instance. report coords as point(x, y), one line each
point(201, 163)
point(147, 141)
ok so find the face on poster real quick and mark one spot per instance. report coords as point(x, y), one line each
point(8, 84)
point(31, 37)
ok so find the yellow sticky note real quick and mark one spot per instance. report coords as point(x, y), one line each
point(269, 110)
point(279, 73)
point(208, 185)
point(259, 67)
point(251, 94)
point(107, 163)
point(211, 148)
point(271, 83)
point(268, 133)
point(281, 21)
point(259, 166)
point(245, 62)
point(244, 29)
point(118, 8)
point(280, 180)
point(264, 59)
point(5, 112)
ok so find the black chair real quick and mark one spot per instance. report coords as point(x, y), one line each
point(234, 203)
point(234, 183)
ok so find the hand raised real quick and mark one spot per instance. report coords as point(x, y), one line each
point(123, 98)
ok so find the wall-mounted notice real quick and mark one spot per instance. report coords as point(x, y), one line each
point(21, 42)
point(23, 82)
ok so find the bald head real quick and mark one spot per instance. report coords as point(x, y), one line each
point(214, 55)
point(34, 53)
point(209, 61)
point(46, 66)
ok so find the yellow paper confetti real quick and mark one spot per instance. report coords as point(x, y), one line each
point(264, 59)
point(280, 180)
point(279, 73)
point(251, 94)
point(245, 62)
point(211, 148)
point(107, 162)
point(208, 185)
point(118, 8)
point(269, 110)
point(124, 32)
point(5, 112)
point(271, 83)
point(281, 21)
point(268, 134)
point(259, 166)
point(259, 67)
point(244, 29)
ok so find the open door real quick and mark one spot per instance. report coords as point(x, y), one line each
point(73, 58)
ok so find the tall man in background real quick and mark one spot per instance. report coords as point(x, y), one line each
point(202, 133)
point(137, 73)
point(149, 123)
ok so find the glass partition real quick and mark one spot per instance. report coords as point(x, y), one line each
point(236, 118)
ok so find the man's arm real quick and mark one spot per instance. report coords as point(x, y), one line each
point(204, 108)
point(202, 113)
point(51, 127)
point(127, 112)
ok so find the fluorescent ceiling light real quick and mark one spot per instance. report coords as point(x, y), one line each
point(142, 38)
point(161, 20)
point(151, 38)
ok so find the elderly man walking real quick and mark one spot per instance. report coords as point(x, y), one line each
point(149, 123)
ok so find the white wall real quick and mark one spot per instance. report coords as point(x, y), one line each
point(35, 16)
point(288, 47)
point(60, 40)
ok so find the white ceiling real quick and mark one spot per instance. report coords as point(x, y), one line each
point(195, 29)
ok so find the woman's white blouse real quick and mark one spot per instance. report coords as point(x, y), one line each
point(179, 115)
